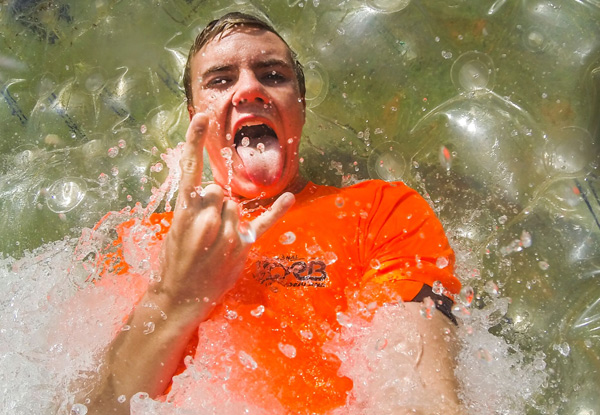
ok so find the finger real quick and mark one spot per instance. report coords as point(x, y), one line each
point(191, 160)
point(277, 210)
point(212, 199)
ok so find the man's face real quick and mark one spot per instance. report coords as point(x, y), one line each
point(245, 82)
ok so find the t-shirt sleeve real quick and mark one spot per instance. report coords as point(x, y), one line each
point(404, 246)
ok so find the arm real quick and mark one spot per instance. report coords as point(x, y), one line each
point(202, 258)
point(436, 365)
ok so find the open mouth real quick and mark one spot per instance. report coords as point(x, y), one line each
point(260, 153)
point(252, 135)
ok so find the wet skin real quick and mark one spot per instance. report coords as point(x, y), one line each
point(246, 77)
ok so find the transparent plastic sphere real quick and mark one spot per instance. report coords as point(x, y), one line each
point(317, 83)
point(65, 194)
point(473, 71)
point(570, 150)
point(388, 6)
point(386, 162)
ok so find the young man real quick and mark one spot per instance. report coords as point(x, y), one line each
point(270, 257)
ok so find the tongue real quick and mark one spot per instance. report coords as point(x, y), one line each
point(263, 159)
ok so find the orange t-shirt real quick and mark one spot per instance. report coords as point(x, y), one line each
point(368, 243)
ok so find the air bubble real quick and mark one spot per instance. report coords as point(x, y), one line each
point(113, 152)
point(543, 265)
point(317, 83)
point(260, 147)
point(245, 141)
point(339, 202)
point(388, 6)
point(65, 194)
point(473, 71)
point(386, 162)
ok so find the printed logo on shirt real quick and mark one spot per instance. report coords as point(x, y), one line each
point(291, 271)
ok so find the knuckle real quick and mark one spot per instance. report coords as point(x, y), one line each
point(188, 165)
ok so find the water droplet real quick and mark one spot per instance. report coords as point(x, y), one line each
point(122, 143)
point(287, 238)
point(381, 344)
point(502, 219)
point(491, 288)
point(260, 147)
point(114, 171)
point(445, 158)
point(525, 239)
point(258, 311)
point(441, 262)
point(446, 55)
point(343, 319)
point(226, 152)
point(149, 327)
point(437, 288)
point(245, 142)
point(313, 249)
point(287, 349)
point(375, 264)
point(247, 360)
point(231, 315)
point(143, 129)
point(246, 232)
point(339, 201)
point(563, 348)
point(543, 265)
point(121, 399)
point(466, 295)
point(483, 354)
point(307, 334)
point(79, 409)
point(427, 308)
point(330, 258)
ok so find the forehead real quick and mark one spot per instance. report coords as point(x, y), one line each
point(241, 45)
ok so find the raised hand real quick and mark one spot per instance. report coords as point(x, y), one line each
point(202, 258)
point(204, 252)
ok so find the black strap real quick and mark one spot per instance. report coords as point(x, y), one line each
point(442, 303)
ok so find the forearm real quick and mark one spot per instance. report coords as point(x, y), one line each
point(146, 353)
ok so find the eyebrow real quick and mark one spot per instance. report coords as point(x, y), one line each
point(259, 65)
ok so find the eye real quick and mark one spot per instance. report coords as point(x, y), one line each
point(218, 81)
point(274, 77)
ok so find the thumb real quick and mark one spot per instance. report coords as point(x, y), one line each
point(272, 215)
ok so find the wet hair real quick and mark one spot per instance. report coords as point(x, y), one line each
point(218, 28)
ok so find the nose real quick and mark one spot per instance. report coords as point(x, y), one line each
point(249, 89)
